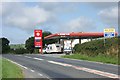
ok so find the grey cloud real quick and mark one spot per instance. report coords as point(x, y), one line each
point(24, 17)
point(109, 16)
point(103, 5)
point(107, 12)
point(60, 1)
point(59, 7)
point(81, 24)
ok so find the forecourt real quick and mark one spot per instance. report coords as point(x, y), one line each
point(54, 68)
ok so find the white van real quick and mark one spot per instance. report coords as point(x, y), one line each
point(53, 48)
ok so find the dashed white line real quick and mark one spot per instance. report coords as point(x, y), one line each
point(27, 57)
point(38, 59)
point(40, 74)
point(34, 58)
point(63, 64)
point(102, 73)
point(18, 55)
point(32, 70)
point(106, 74)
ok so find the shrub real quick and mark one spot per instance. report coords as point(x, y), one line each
point(20, 51)
point(97, 47)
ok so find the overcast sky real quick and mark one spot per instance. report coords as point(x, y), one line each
point(19, 19)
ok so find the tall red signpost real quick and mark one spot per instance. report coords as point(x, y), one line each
point(38, 39)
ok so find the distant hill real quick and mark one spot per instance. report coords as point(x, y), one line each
point(97, 47)
point(17, 46)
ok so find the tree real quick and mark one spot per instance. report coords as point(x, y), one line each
point(46, 33)
point(29, 44)
point(4, 43)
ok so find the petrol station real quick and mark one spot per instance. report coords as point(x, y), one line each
point(77, 37)
point(69, 40)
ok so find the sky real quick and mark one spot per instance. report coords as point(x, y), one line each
point(19, 19)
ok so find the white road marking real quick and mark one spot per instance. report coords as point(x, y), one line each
point(62, 64)
point(17, 64)
point(106, 74)
point(102, 73)
point(27, 57)
point(25, 67)
point(18, 55)
point(40, 74)
point(32, 70)
point(44, 76)
point(38, 59)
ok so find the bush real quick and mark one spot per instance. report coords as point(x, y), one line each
point(97, 47)
point(20, 51)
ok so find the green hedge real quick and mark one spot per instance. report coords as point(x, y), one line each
point(20, 51)
point(97, 47)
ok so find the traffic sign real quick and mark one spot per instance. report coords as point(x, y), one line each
point(109, 32)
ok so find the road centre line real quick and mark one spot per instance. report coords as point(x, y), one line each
point(38, 59)
point(27, 57)
point(32, 70)
point(34, 58)
point(77, 60)
point(18, 55)
point(102, 73)
point(62, 64)
point(40, 74)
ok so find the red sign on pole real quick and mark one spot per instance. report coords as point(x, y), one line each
point(38, 39)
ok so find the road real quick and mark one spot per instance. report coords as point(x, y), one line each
point(59, 68)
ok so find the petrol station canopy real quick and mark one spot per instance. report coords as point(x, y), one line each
point(76, 35)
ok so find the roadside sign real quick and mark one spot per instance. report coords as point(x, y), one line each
point(109, 32)
point(38, 39)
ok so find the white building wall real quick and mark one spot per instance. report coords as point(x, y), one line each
point(76, 41)
point(85, 40)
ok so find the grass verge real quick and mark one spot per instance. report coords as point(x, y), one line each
point(10, 70)
point(98, 58)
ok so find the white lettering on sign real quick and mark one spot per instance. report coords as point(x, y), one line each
point(64, 34)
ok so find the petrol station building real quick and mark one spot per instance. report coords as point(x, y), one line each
point(76, 37)
point(80, 37)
